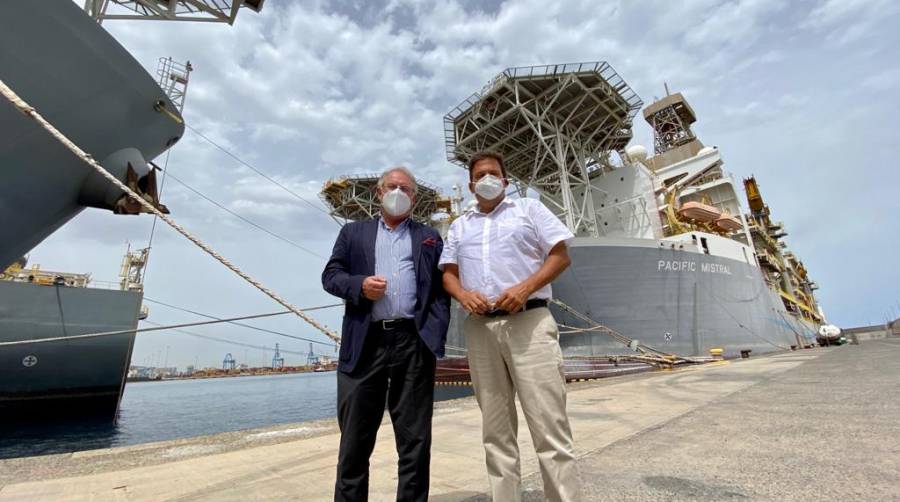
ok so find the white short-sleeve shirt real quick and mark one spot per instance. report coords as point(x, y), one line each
point(500, 249)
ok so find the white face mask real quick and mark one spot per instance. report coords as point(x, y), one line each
point(395, 202)
point(490, 187)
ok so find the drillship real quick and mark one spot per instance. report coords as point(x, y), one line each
point(59, 60)
point(663, 253)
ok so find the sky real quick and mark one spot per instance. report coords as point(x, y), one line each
point(802, 94)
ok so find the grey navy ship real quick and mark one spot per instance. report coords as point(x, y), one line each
point(664, 252)
point(59, 60)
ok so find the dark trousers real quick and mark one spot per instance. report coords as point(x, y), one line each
point(398, 365)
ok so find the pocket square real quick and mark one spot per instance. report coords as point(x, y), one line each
point(431, 241)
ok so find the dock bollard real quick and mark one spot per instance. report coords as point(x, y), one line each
point(717, 353)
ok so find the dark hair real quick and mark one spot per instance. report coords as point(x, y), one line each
point(482, 155)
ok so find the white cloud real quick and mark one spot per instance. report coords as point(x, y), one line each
point(848, 21)
point(887, 80)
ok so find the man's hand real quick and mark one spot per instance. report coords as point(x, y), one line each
point(373, 287)
point(474, 302)
point(513, 299)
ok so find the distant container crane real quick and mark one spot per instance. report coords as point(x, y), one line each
point(277, 360)
point(228, 363)
point(312, 359)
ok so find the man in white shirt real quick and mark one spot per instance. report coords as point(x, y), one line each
point(498, 261)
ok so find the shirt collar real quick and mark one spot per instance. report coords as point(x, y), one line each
point(403, 224)
point(505, 202)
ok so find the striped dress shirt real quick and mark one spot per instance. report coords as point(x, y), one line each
point(394, 262)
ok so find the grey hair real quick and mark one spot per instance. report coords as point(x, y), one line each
point(403, 169)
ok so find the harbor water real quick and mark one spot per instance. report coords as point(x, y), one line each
point(175, 409)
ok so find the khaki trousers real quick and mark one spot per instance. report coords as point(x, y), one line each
point(520, 354)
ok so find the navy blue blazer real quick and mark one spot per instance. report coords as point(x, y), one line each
point(353, 259)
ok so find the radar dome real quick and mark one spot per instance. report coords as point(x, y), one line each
point(636, 153)
point(706, 149)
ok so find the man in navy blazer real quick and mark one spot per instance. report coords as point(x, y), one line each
point(395, 326)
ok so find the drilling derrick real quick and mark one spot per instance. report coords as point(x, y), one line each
point(353, 198)
point(555, 126)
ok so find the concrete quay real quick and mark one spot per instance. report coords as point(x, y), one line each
point(819, 424)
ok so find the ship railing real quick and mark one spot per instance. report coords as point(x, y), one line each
point(95, 284)
point(85, 284)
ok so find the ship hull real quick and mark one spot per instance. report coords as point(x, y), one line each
point(673, 300)
point(90, 88)
point(67, 378)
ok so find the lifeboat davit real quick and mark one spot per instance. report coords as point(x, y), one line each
point(728, 222)
point(699, 212)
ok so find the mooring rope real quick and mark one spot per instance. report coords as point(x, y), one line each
point(647, 353)
point(250, 326)
point(140, 330)
point(29, 111)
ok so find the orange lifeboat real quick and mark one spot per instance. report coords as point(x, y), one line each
point(699, 212)
point(728, 222)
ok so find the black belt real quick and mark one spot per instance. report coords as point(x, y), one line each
point(534, 303)
point(392, 324)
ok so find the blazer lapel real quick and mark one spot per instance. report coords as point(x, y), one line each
point(371, 234)
point(415, 235)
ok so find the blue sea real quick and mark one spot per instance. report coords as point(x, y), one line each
point(175, 409)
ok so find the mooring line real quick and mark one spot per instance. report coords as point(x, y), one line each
point(138, 330)
point(250, 326)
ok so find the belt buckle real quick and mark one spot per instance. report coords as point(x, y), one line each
point(390, 324)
